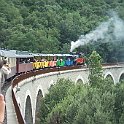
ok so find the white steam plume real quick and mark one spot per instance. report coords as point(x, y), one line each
point(118, 27)
point(101, 31)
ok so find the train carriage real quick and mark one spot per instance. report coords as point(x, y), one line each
point(24, 62)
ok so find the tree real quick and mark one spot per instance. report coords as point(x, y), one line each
point(56, 95)
point(95, 69)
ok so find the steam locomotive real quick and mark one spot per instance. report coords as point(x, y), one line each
point(23, 61)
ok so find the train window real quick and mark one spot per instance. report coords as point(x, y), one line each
point(21, 60)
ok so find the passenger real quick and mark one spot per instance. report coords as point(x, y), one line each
point(4, 71)
point(5, 68)
point(61, 62)
point(28, 61)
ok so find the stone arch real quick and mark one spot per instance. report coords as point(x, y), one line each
point(39, 88)
point(51, 83)
point(28, 111)
point(79, 79)
point(39, 91)
point(109, 76)
point(38, 105)
point(28, 93)
point(121, 77)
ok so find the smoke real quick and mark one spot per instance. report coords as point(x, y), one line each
point(118, 27)
point(102, 32)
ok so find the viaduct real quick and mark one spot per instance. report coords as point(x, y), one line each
point(22, 97)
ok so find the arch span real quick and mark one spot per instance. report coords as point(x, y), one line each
point(109, 75)
point(79, 80)
point(38, 105)
point(28, 111)
point(51, 83)
point(28, 93)
point(121, 78)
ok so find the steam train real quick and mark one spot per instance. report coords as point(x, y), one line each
point(23, 61)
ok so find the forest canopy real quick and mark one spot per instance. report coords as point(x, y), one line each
point(33, 24)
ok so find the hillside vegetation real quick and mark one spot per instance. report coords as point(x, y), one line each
point(49, 26)
point(98, 101)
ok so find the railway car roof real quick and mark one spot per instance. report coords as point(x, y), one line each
point(15, 54)
point(24, 56)
point(39, 54)
point(7, 53)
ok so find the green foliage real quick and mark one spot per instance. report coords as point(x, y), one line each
point(85, 104)
point(67, 103)
point(33, 24)
point(95, 69)
point(102, 102)
point(119, 103)
point(56, 94)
